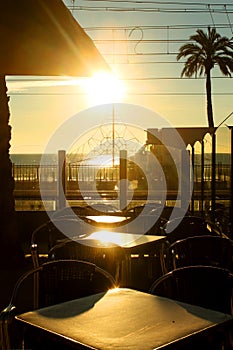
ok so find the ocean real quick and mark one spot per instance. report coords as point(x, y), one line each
point(51, 159)
point(33, 159)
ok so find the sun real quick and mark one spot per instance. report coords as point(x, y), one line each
point(103, 88)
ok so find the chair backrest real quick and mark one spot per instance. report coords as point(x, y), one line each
point(51, 232)
point(177, 211)
point(101, 209)
point(202, 250)
point(69, 211)
point(59, 281)
point(147, 207)
point(108, 257)
point(206, 286)
point(187, 226)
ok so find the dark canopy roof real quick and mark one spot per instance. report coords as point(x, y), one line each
point(190, 135)
point(41, 37)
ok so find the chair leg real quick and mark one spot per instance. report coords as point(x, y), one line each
point(4, 336)
point(34, 254)
point(228, 341)
point(36, 290)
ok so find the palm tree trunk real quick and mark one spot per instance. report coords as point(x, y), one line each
point(9, 245)
point(209, 100)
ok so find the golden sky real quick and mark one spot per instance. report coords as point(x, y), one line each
point(139, 46)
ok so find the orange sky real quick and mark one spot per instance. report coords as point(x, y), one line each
point(38, 108)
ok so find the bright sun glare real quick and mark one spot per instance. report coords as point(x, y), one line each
point(103, 88)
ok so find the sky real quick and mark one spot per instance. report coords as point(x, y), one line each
point(139, 40)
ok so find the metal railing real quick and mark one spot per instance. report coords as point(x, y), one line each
point(29, 176)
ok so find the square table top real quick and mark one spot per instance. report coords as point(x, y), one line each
point(122, 239)
point(125, 319)
point(107, 219)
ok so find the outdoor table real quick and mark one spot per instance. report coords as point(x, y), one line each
point(125, 223)
point(124, 319)
point(107, 219)
point(144, 250)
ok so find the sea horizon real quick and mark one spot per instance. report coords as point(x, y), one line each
point(51, 159)
point(33, 158)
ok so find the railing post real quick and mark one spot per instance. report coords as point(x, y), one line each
point(192, 179)
point(123, 179)
point(61, 180)
point(202, 175)
point(213, 174)
point(186, 178)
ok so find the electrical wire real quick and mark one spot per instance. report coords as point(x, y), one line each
point(125, 79)
point(158, 27)
point(177, 93)
point(148, 10)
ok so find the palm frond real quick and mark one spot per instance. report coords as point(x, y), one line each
point(202, 53)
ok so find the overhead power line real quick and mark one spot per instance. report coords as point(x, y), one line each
point(177, 93)
point(158, 27)
point(124, 79)
point(182, 3)
point(149, 9)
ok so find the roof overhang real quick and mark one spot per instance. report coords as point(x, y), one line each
point(41, 37)
point(168, 136)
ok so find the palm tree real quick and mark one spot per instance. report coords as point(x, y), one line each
point(205, 51)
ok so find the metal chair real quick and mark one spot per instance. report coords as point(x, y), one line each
point(177, 211)
point(53, 231)
point(147, 207)
point(74, 211)
point(201, 250)
point(207, 286)
point(57, 281)
point(102, 209)
point(188, 226)
point(155, 216)
point(107, 256)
